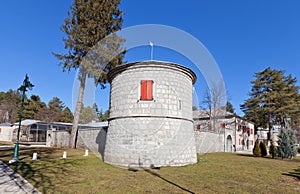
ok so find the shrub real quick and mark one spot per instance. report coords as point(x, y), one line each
point(286, 144)
point(256, 149)
point(263, 149)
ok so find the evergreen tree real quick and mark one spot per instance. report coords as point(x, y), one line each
point(100, 115)
point(229, 107)
point(67, 115)
point(105, 116)
point(32, 106)
point(194, 108)
point(56, 103)
point(263, 149)
point(89, 22)
point(54, 112)
point(286, 144)
point(87, 115)
point(273, 98)
point(256, 149)
point(56, 107)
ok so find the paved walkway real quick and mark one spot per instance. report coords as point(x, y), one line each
point(12, 182)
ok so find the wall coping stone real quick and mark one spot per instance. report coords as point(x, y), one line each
point(150, 64)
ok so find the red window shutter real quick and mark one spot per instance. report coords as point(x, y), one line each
point(146, 90)
point(143, 90)
point(223, 125)
point(244, 129)
point(149, 90)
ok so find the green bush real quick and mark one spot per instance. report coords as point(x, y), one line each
point(286, 144)
point(263, 149)
point(256, 149)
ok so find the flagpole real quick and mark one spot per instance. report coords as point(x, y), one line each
point(151, 44)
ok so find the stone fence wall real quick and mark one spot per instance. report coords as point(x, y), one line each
point(93, 139)
point(209, 142)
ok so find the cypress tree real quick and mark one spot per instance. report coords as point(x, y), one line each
point(263, 149)
point(273, 148)
point(256, 149)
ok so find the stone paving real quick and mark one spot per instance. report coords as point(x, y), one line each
point(12, 182)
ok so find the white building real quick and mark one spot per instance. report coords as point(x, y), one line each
point(227, 133)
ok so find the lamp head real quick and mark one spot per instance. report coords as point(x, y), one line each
point(26, 84)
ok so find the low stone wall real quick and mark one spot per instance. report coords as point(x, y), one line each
point(93, 139)
point(209, 142)
point(57, 138)
point(6, 133)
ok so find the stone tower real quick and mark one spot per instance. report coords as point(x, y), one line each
point(151, 120)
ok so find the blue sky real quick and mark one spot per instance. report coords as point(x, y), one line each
point(243, 36)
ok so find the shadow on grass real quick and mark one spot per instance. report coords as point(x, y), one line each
point(44, 174)
point(252, 156)
point(247, 155)
point(159, 176)
point(166, 180)
point(295, 174)
point(292, 160)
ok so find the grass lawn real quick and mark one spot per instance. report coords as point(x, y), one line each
point(214, 173)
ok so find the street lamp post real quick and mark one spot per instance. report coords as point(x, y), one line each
point(23, 88)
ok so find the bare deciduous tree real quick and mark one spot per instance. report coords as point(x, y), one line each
point(214, 103)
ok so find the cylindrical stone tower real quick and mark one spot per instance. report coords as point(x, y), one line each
point(151, 120)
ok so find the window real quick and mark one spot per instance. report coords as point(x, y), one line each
point(244, 129)
point(146, 90)
point(209, 126)
point(223, 125)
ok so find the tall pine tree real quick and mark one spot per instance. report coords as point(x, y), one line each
point(273, 98)
point(89, 22)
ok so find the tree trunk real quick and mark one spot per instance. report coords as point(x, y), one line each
point(72, 142)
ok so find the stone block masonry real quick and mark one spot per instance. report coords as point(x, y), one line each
point(156, 132)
